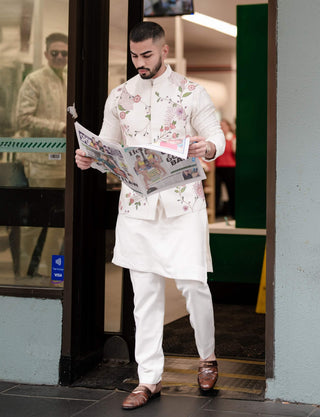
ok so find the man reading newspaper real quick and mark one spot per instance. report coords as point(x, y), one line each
point(147, 168)
point(164, 234)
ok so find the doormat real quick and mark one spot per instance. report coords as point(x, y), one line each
point(238, 379)
point(240, 333)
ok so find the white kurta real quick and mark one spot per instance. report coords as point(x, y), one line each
point(173, 247)
point(165, 233)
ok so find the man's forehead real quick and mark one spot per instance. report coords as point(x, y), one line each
point(145, 46)
point(58, 45)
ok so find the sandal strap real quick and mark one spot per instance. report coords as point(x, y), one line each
point(208, 364)
point(142, 389)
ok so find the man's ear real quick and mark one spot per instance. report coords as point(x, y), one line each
point(165, 50)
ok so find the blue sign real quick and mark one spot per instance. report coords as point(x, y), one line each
point(57, 268)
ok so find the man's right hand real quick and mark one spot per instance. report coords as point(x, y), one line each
point(83, 161)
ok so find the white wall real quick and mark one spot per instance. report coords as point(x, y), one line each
point(223, 82)
point(30, 346)
point(297, 262)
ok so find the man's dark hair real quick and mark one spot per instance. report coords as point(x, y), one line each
point(146, 30)
point(56, 37)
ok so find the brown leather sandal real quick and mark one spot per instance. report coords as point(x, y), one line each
point(207, 375)
point(140, 396)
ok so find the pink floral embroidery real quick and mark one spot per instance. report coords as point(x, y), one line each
point(181, 114)
point(126, 103)
point(126, 100)
point(177, 79)
point(198, 189)
point(173, 127)
point(189, 204)
point(170, 115)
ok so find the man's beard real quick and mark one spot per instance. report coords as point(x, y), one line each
point(153, 72)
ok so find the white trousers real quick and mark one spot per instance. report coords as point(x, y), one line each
point(149, 305)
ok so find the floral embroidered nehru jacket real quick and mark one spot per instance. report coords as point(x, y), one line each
point(169, 106)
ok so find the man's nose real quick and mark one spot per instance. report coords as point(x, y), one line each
point(140, 62)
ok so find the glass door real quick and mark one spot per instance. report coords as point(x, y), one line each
point(33, 97)
point(117, 74)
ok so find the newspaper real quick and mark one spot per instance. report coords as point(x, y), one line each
point(146, 169)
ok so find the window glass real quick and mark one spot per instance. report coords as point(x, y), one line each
point(117, 59)
point(33, 84)
point(33, 92)
point(117, 75)
point(26, 256)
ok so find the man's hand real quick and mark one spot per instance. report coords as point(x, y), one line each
point(82, 161)
point(200, 148)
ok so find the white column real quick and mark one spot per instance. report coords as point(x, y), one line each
point(38, 46)
point(179, 43)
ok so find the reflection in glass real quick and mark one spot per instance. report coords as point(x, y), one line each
point(117, 59)
point(32, 104)
point(41, 112)
point(24, 257)
point(117, 75)
point(33, 82)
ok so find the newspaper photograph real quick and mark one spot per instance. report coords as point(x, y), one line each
point(145, 169)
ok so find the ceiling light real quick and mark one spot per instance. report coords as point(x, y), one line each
point(212, 23)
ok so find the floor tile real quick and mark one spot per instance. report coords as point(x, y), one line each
point(204, 413)
point(316, 412)
point(165, 406)
point(58, 392)
point(12, 406)
point(19, 400)
point(268, 408)
point(207, 413)
point(6, 385)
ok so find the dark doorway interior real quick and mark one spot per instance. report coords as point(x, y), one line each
point(239, 333)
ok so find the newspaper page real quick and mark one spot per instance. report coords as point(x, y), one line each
point(145, 169)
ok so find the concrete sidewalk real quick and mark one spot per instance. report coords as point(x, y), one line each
point(17, 400)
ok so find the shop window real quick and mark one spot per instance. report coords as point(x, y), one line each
point(33, 92)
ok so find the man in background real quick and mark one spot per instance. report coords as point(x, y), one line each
point(41, 112)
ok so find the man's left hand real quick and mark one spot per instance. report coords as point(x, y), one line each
point(200, 148)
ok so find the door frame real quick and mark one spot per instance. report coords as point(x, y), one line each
point(79, 354)
point(89, 208)
point(83, 298)
point(271, 184)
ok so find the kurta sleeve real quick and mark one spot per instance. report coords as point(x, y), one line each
point(204, 120)
point(111, 130)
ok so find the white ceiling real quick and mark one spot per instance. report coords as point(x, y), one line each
point(196, 36)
